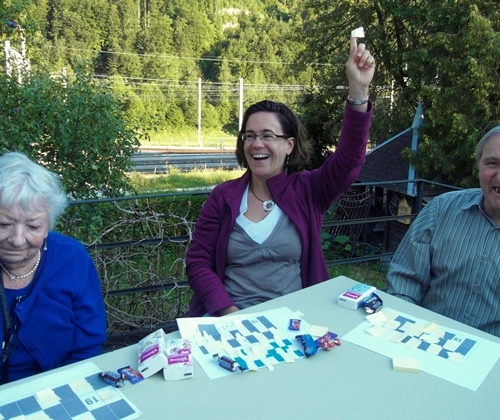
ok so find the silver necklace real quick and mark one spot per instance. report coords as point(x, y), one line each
point(14, 277)
point(267, 205)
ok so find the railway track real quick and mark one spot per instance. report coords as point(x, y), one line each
point(158, 162)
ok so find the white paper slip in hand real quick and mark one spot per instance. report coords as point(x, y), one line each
point(358, 33)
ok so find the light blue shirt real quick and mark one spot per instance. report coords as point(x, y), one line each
point(449, 261)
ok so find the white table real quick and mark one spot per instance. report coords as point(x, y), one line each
point(347, 382)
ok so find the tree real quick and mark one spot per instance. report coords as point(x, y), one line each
point(131, 105)
point(154, 43)
point(444, 53)
point(74, 126)
point(173, 42)
point(154, 105)
point(122, 28)
point(463, 102)
point(76, 29)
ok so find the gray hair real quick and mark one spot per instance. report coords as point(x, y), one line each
point(483, 141)
point(32, 186)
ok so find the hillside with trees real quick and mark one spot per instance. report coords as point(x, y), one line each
point(153, 55)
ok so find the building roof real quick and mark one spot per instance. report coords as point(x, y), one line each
point(385, 162)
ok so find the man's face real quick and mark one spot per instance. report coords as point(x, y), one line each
point(489, 177)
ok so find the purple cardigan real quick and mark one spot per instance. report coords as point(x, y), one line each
point(305, 198)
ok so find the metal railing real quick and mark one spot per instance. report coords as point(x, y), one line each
point(138, 244)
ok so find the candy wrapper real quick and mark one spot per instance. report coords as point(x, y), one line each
point(372, 304)
point(132, 375)
point(308, 343)
point(328, 341)
point(311, 346)
point(112, 378)
point(227, 363)
point(294, 324)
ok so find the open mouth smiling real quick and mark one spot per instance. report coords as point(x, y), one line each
point(260, 157)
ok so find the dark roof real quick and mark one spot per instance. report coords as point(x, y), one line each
point(385, 163)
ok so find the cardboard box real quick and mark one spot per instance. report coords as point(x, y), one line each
point(353, 297)
point(179, 360)
point(152, 356)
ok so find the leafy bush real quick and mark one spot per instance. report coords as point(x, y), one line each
point(72, 125)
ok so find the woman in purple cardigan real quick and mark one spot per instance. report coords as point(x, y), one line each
point(259, 236)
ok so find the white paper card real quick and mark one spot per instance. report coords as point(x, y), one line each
point(358, 33)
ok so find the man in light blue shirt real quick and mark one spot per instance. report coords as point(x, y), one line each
point(449, 260)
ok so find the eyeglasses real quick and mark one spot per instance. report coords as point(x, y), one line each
point(266, 137)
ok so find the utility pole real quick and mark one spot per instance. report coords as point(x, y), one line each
point(200, 142)
point(240, 105)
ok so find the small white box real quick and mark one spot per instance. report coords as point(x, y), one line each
point(152, 356)
point(353, 297)
point(179, 360)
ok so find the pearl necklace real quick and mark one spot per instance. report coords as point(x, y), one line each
point(267, 205)
point(14, 277)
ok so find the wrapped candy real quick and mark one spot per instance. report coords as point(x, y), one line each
point(311, 346)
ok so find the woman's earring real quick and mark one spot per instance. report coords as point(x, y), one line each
point(286, 164)
point(45, 244)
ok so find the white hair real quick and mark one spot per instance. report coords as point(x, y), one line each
point(31, 185)
point(483, 141)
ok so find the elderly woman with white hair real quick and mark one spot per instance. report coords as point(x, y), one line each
point(51, 306)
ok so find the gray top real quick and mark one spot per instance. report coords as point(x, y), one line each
point(257, 273)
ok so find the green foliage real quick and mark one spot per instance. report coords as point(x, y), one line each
point(443, 53)
point(209, 117)
point(372, 273)
point(138, 242)
point(464, 101)
point(74, 126)
point(170, 45)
